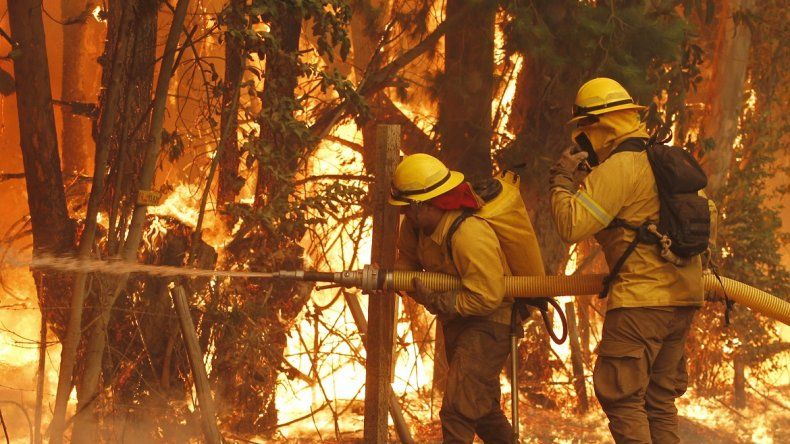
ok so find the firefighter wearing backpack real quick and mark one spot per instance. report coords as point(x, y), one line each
point(475, 320)
point(641, 367)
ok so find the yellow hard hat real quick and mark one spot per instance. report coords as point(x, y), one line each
point(421, 177)
point(599, 96)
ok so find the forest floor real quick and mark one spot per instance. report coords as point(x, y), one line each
point(702, 420)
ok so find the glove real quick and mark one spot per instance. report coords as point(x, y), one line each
point(563, 172)
point(436, 303)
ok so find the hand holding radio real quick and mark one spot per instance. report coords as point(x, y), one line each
point(564, 171)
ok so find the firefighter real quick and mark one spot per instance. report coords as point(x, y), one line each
point(641, 368)
point(476, 319)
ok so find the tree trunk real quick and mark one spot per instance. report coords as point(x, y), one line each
point(728, 44)
point(583, 304)
point(739, 382)
point(53, 231)
point(229, 182)
point(723, 98)
point(80, 83)
point(97, 341)
point(466, 90)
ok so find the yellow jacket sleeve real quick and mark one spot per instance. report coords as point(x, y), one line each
point(600, 198)
point(478, 258)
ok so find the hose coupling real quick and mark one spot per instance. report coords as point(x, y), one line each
point(369, 278)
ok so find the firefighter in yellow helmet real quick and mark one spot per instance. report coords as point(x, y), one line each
point(476, 319)
point(641, 367)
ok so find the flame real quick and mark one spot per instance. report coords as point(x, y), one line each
point(183, 205)
point(20, 321)
point(98, 15)
point(339, 359)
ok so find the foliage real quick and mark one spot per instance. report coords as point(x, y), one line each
point(750, 236)
point(643, 45)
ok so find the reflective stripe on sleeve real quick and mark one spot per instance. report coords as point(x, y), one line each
point(592, 206)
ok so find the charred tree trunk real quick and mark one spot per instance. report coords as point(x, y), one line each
point(53, 231)
point(82, 38)
point(229, 182)
point(466, 90)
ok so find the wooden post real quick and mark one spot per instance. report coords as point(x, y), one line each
point(577, 360)
point(208, 413)
point(381, 309)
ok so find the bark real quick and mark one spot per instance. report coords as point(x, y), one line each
point(80, 83)
point(229, 182)
point(53, 231)
point(466, 91)
point(724, 95)
point(97, 340)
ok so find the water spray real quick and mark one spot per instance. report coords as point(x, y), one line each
point(371, 278)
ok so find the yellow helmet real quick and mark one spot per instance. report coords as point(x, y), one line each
point(599, 96)
point(421, 177)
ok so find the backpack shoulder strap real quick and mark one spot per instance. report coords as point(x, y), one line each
point(643, 235)
point(453, 228)
point(634, 144)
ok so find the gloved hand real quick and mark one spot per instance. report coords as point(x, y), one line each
point(563, 172)
point(435, 302)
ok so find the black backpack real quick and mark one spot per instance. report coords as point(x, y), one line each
point(683, 228)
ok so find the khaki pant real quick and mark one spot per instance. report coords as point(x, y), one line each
point(640, 370)
point(476, 352)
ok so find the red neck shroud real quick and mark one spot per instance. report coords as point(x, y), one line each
point(459, 198)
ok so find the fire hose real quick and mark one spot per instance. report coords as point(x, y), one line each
point(371, 278)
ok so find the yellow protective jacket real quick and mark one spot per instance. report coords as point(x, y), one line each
point(497, 241)
point(623, 186)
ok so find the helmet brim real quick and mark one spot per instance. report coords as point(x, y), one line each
point(598, 112)
point(455, 179)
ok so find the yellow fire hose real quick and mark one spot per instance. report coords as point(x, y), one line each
point(536, 286)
